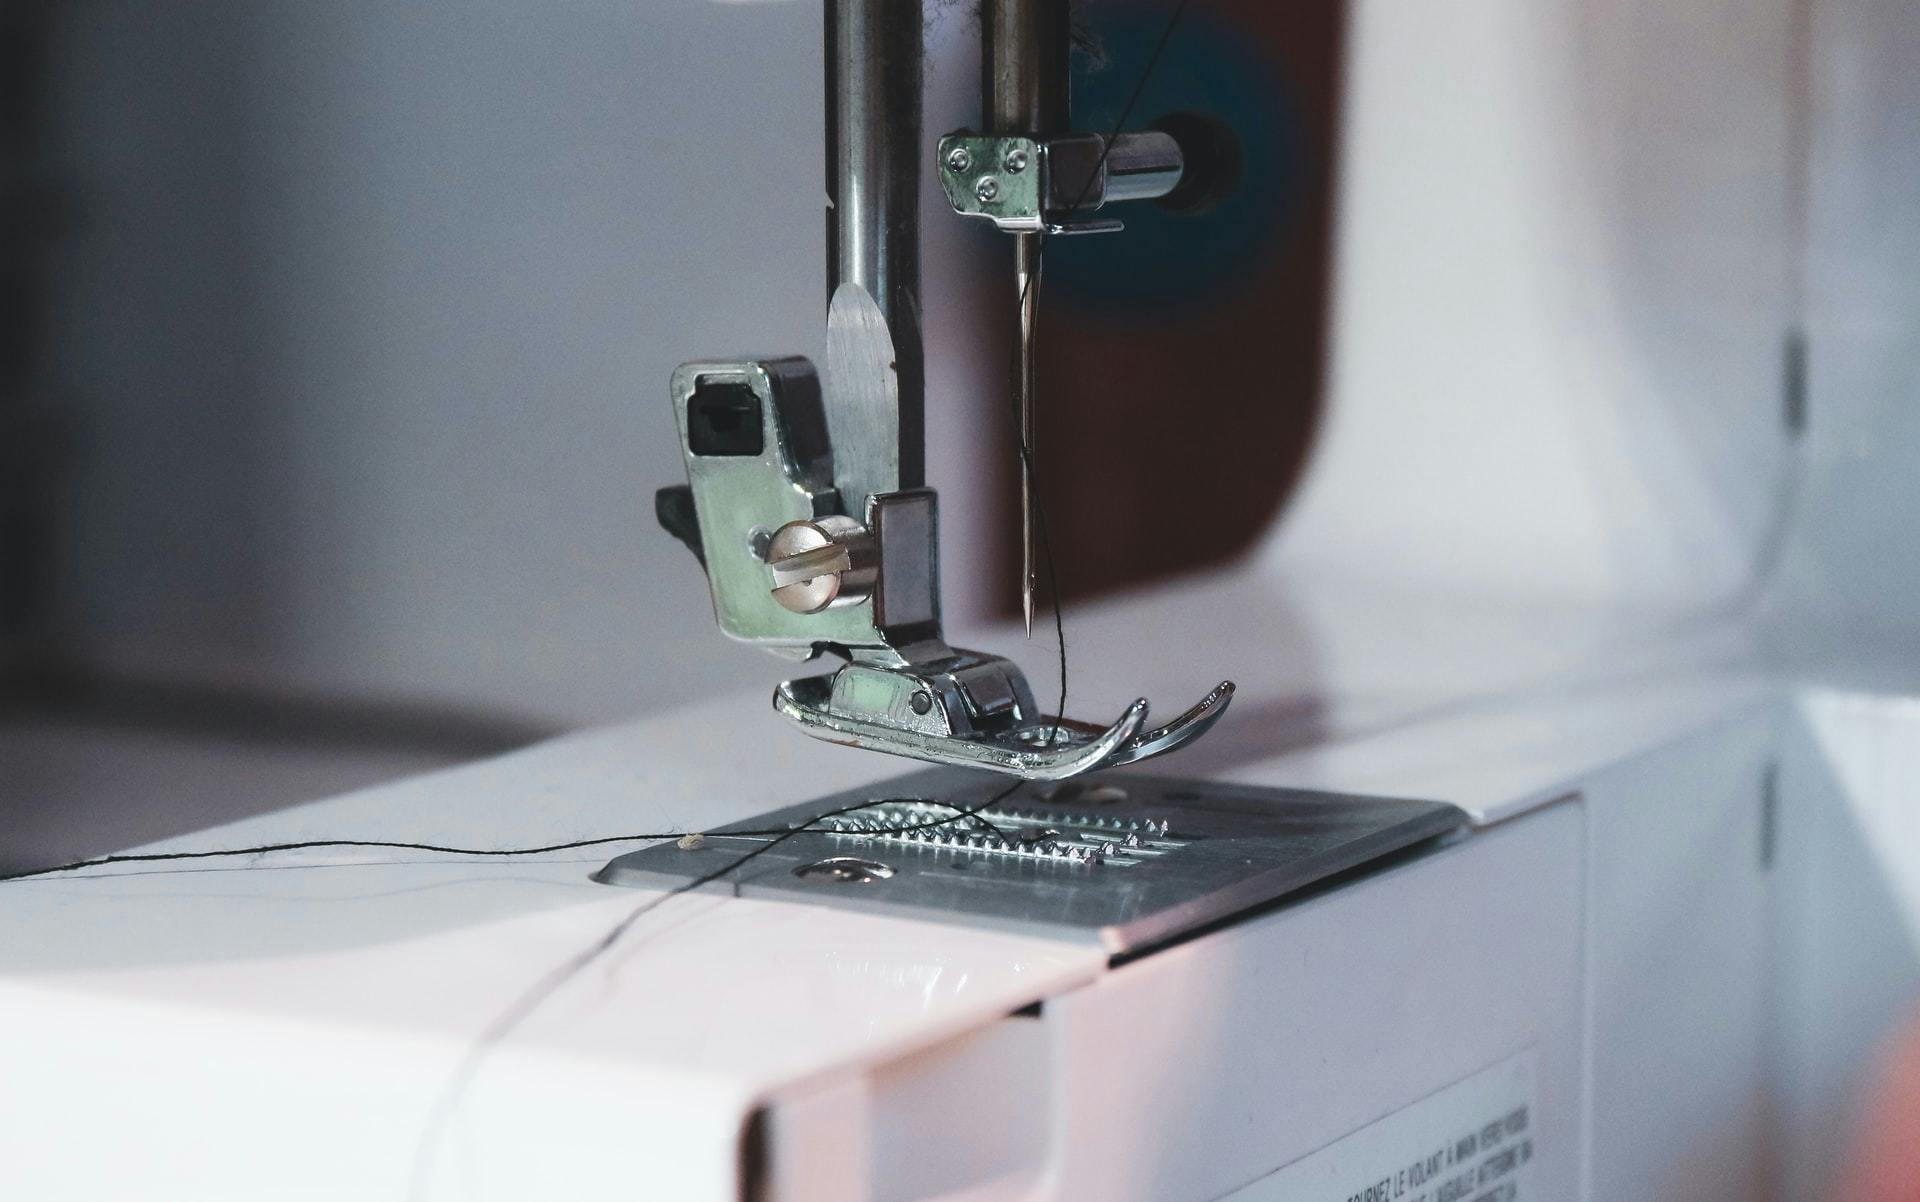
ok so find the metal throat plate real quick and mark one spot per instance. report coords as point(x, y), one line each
point(1125, 860)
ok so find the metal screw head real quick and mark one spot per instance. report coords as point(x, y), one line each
point(844, 870)
point(959, 161)
point(1015, 162)
point(921, 701)
point(812, 563)
point(987, 188)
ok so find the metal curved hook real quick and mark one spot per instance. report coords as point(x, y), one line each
point(1179, 732)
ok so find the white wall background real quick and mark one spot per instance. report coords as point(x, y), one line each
point(1564, 254)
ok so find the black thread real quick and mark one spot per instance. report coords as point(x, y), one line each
point(1126, 110)
point(527, 1003)
point(155, 857)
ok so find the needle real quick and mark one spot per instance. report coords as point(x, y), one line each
point(1026, 278)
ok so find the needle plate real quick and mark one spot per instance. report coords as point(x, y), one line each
point(1124, 860)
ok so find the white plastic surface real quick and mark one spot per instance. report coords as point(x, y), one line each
point(1562, 260)
point(1197, 1072)
point(1679, 968)
point(1846, 920)
point(1284, 1034)
point(309, 1009)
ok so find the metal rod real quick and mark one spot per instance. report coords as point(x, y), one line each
point(1083, 173)
point(1023, 66)
point(1143, 166)
point(874, 54)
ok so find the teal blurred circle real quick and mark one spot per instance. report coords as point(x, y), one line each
point(1171, 264)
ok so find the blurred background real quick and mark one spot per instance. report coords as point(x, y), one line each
point(333, 369)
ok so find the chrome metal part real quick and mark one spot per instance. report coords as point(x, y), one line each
point(1071, 180)
point(1046, 834)
point(792, 572)
point(1023, 744)
point(1024, 49)
point(1172, 857)
point(754, 441)
point(845, 870)
point(863, 397)
point(1017, 201)
point(819, 563)
point(1141, 166)
point(805, 506)
point(874, 56)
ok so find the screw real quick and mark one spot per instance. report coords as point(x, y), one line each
point(812, 561)
point(987, 188)
point(959, 161)
point(1016, 161)
point(758, 540)
point(921, 702)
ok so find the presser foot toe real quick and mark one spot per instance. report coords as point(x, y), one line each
point(933, 715)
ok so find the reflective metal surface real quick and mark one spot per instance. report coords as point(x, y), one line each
point(1063, 180)
point(863, 401)
point(816, 564)
point(1025, 744)
point(874, 55)
point(806, 508)
point(1026, 282)
point(1126, 868)
point(756, 455)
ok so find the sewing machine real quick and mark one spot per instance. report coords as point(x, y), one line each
point(1538, 858)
